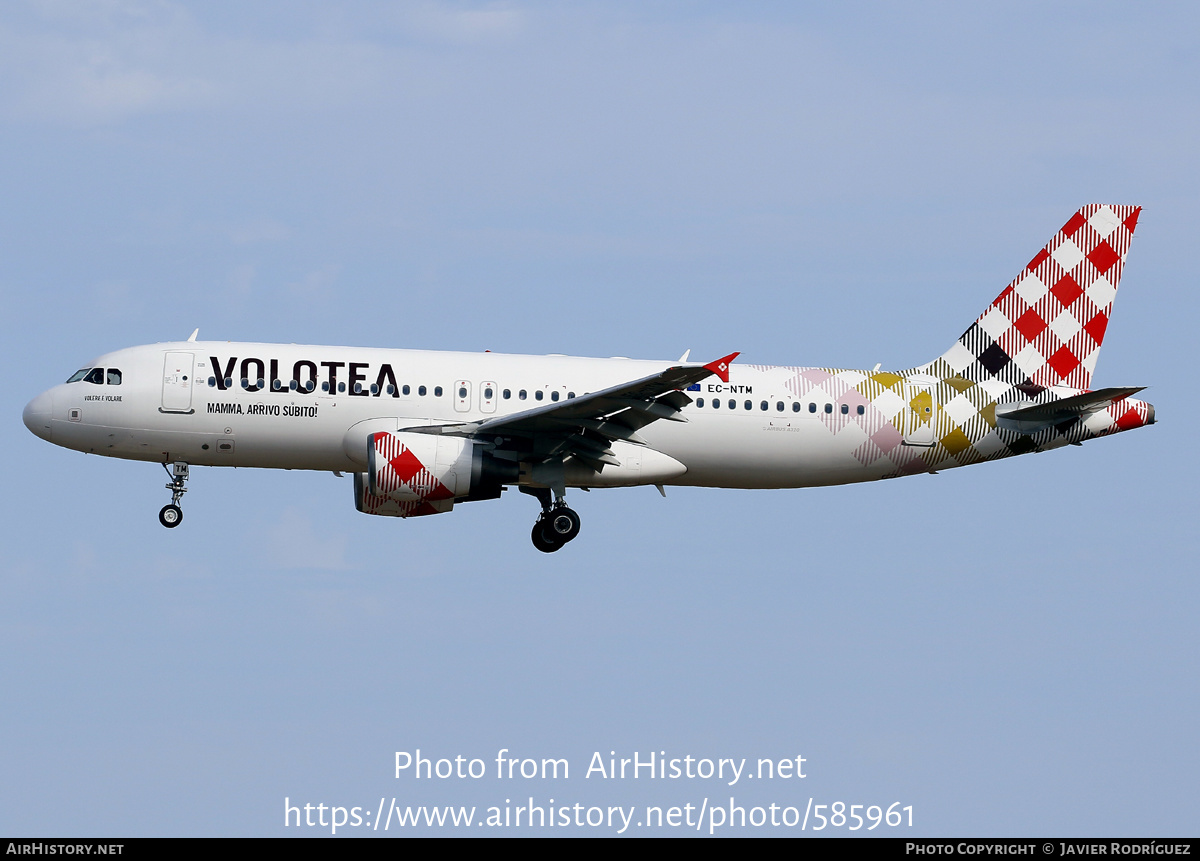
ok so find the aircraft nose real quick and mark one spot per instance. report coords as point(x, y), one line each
point(37, 415)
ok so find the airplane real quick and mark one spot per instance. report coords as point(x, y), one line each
point(421, 431)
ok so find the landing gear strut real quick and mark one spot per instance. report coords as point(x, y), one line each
point(556, 525)
point(172, 515)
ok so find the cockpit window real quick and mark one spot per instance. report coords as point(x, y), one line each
point(96, 375)
point(114, 377)
point(78, 375)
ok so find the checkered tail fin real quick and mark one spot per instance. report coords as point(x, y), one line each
point(1047, 327)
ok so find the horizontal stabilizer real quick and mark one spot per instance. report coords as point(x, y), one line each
point(1065, 408)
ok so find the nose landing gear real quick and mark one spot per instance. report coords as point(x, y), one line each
point(556, 525)
point(172, 515)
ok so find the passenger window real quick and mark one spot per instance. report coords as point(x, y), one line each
point(829, 408)
point(391, 390)
point(749, 405)
point(554, 396)
point(78, 375)
point(487, 393)
point(437, 391)
point(462, 392)
point(245, 382)
point(845, 409)
point(374, 388)
point(212, 382)
point(699, 402)
point(861, 409)
point(570, 395)
point(96, 375)
point(812, 408)
point(732, 404)
point(716, 403)
point(407, 389)
point(779, 406)
point(421, 391)
point(795, 406)
point(507, 394)
point(538, 395)
point(522, 394)
point(763, 406)
point(114, 377)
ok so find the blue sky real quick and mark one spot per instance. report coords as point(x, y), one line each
point(1011, 648)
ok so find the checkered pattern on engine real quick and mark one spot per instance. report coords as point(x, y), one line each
point(406, 487)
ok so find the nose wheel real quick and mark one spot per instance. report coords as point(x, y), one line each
point(172, 515)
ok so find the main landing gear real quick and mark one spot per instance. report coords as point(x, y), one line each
point(556, 525)
point(172, 515)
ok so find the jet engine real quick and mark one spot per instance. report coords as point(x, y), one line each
point(413, 474)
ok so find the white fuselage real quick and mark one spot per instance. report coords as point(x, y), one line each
point(150, 416)
point(294, 406)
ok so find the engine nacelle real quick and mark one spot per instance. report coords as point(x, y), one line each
point(414, 474)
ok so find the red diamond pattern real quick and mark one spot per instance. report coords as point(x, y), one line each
point(406, 465)
point(1072, 227)
point(1103, 257)
point(1095, 327)
point(1063, 362)
point(1130, 419)
point(440, 491)
point(1030, 324)
point(1066, 290)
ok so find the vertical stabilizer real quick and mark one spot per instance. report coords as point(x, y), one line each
point(1047, 327)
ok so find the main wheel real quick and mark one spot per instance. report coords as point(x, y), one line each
point(170, 516)
point(539, 539)
point(561, 525)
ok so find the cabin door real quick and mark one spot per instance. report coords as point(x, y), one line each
point(920, 413)
point(178, 373)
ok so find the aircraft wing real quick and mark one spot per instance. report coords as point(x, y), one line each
point(585, 426)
